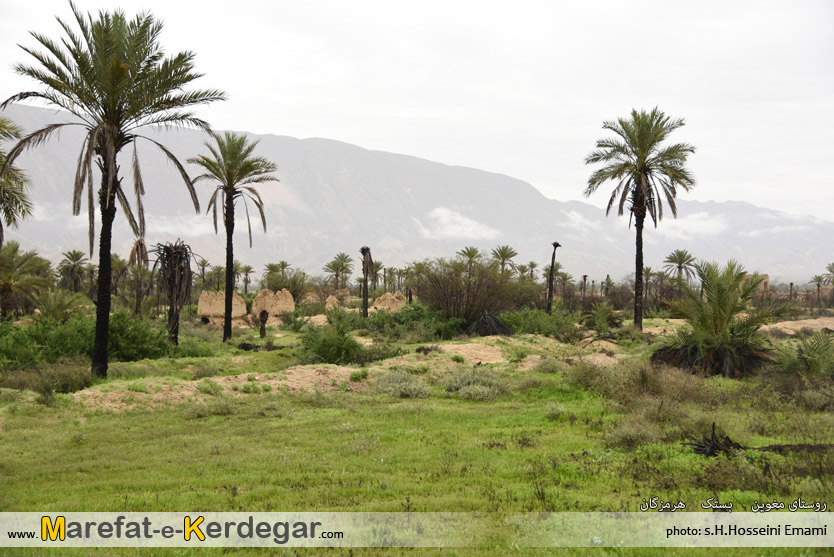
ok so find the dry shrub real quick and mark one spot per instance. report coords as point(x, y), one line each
point(633, 431)
point(630, 379)
point(63, 377)
point(401, 384)
point(475, 384)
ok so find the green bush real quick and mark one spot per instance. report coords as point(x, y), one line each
point(135, 339)
point(723, 335)
point(815, 355)
point(401, 384)
point(293, 321)
point(560, 325)
point(475, 384)
point(330, 345)
point(62, 377)
point(359, 375)
point(414, 323)
point(602, 318)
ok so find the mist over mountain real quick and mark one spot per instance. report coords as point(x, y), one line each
point(334, 197)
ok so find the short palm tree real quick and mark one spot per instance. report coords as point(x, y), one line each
point(645, 172)
point(71, 269)
point(504, 255)
point(112, 75)
point(58, 304)
point(234, 170)
point(118, 271)
point(21, 274)
point(682, 263)
point(723, 333)
point(14, 201)
point(377, 273)
point(173, 275)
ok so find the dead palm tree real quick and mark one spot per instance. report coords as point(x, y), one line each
point(818, 281)
point(234, 171)
point(114, 77)
point(367, 270)
point(553, 269)
point(645, 172)
point(173, 276)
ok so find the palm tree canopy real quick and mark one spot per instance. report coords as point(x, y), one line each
point(829, 273)
point(680, 261)
point(235, 171)
point(14, 186)
point(113, 75)
point(470, 253)
point(645, 170)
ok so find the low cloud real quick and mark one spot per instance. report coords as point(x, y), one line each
point(443, 223)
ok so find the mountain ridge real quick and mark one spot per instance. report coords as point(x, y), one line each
point(334, 196)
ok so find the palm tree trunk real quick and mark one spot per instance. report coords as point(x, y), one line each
point(173, 324)
point(137, 310)
point(6, 302)
point(100, 344)
point(639, 217)
point(230, 263)
point(550, 281)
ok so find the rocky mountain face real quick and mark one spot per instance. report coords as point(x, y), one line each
point(335, 197)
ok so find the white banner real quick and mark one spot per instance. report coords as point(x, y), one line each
point(194, 529)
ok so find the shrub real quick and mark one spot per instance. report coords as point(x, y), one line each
point(219, 407)
point(401, 384)
point(359, 375)
point(632, 432)
point(814, 355)
point(723, 336)
point(414, 323)
point(329, 345)
point(548, 365)
point(602, 318)
point(293, 321)
point(59, 305)
point(560, 325)
point(135, 339)
point(463, 290)
point(209, 387)
point(475, 384)
point(458, 358)
point(63, 377)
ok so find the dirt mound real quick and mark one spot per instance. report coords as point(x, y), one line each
point(474, 352)
point(603, 345)
point(390, 302)
point(212, 304)
point(275, 303)
point(343, 294)
point(319, 320)
point(791, 327)
point(332, 302)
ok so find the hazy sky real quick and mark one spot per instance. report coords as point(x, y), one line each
point(520, 88)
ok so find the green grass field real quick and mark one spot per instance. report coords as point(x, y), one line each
point(234, 433)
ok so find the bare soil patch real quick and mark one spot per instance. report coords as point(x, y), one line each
point(476, 352)
point(791, 327)
point(666, 327)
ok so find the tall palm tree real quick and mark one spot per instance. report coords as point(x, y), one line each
point(71, 269)
point(14, 201)
point(681, 262)
point(522, 271)
point(235, 171)
point(341, 267)
point(471, 254)
point(112, 74)
point(246, 270)
point(118, 271)
point(138, 261)
point(532, 266)
point(202, 265)
point(21, 273)
point(504, 255)
point(549, 271)
point(377, 273)
point(644, 171)
point(91, 271)
point(648, 275)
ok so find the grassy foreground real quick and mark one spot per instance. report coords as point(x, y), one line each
point(559, 435)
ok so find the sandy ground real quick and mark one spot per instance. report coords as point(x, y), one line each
point(792, 327)
point(475, 352)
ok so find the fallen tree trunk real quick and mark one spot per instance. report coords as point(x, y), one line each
point(712, 446)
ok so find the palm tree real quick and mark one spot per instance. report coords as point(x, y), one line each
point(532, 265)
point(114, 76)
point(71, 269)
point(367, 269)
point(20, 273)
point(235, 171)
point(377, 273)
point(173, 268)
point(829, 274)
point(504, 255)
point(246, 270)
point(644, 172)
point(549, 270)
point(14, 201)
point(202, 265)
point(91, 271)
point(818, 281)
point(522, 271)
point(138, 261)
point(648, 274)
point(681, 262)
point(340, 267)
point(118, 271)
